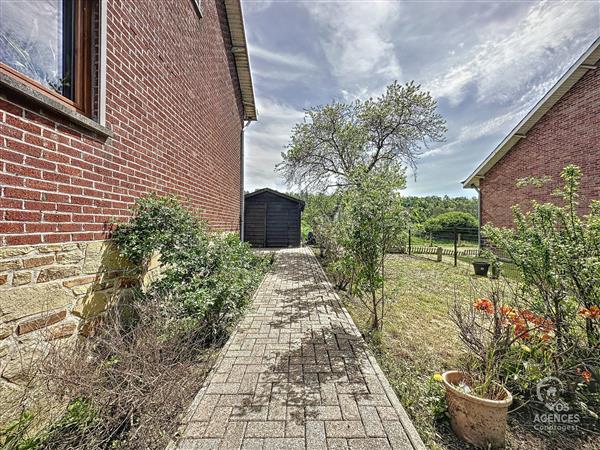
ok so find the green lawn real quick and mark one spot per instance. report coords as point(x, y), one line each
point(420, 340)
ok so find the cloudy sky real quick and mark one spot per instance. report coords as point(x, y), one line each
point(486, 62)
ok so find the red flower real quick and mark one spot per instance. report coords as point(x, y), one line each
point(585, 374)
point(484, 305)
point(593, 312)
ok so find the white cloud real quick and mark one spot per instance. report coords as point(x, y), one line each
point(294, 61)
point(491, 61)
point(491, 126)
point(253, 6)
point(357, 39)
point(266, 139)
point(522, 61)
point(474, 131)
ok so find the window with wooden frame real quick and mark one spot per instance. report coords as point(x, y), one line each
point(48, 45)
point(198, 5)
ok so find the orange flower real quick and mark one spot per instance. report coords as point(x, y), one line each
point(585, 374)
point(593, 312)
point(545, 337)
point(484, 305)
point(521, 330)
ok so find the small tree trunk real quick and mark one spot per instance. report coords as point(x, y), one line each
point(375, 324)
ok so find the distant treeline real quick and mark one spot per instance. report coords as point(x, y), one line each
point(420, 208)
point(423, 208)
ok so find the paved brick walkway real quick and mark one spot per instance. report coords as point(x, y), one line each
point(296, 375)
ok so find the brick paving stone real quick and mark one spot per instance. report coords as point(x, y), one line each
point(233, 437)
point(205, 408)
point(315, 435)
point(349, 407)
point(196, 429)
point(344, 428)
point(323, 413)
point(369, 444)
point(338, 444)
point(199, 444)
point(266, 428)
point(284, 444)
point(252, 444)
point(371, 421)
point(296, 374)
point(218, 422)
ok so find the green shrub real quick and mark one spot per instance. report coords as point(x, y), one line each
point(216, 294)
point(446, 222)
point(558, 257)
point(373, 221)
point(208, 277)
point(159, 224)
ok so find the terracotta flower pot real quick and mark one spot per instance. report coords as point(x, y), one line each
point(476, 420)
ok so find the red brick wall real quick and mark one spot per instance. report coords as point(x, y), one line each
point(174, 106)
point(569, 133)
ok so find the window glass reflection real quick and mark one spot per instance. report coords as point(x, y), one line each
point(35, 40)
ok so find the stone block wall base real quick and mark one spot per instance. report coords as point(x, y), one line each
point(50, 292)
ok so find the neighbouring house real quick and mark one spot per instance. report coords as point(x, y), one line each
point(272, 219)
point(563, 128)
point(102, 101)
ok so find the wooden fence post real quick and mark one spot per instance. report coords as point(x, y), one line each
point(455, 246)
point(409, 241)
point(439, 254)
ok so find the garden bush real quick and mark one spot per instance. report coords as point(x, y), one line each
point(373, 221)
point(555, 314)
point(446, 222)
point(207, 277)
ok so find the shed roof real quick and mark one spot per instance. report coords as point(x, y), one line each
point(239, 49)
point(588, 61)
point(279, 194)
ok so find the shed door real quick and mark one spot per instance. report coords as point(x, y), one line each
point(293, 227)
point(277, 225)
point(256, 224)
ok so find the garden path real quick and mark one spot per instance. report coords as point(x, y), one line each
point(296, 375)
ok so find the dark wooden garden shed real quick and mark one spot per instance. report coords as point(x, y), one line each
point(272, 219)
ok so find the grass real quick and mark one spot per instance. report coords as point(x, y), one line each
point(419, 340)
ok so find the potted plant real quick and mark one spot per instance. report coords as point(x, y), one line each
point(477, 401)
point(481, 267)
point(479, 419)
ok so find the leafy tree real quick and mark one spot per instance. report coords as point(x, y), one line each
point(423, 208)
point(360, 150)
point(373, 221)
point(383, 133)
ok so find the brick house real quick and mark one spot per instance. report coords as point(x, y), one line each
point(102, 101)
point(563, 128)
